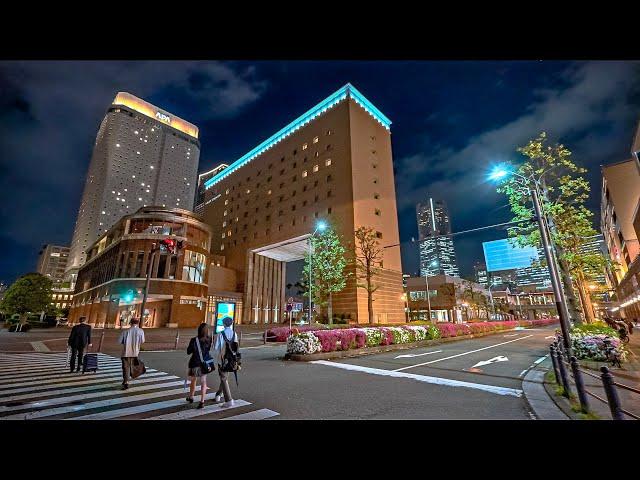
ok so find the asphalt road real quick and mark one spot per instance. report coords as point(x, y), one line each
point(439, 382)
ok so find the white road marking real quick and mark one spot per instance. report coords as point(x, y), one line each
point(22, 381)
point(461, 354)
point(196, 412)
point(512, 335)
point(19, 376)
point(83, 381)
point(40, 347)
point(423, 378)
point(86, 396)
point(84, 388)
point(50, 368)
point(522, 373)
point(541, 359)
point(501, 358)
point(255, 415)
point(417, 354)
point(550, 336)
point(90, 406)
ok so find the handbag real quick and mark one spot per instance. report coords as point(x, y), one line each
point(137, 368)
point(206, 366)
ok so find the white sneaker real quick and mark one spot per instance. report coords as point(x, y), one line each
point(230, 403)
point(218, 398)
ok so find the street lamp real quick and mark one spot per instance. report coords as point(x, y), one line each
point(502, 172)
point(320, 226)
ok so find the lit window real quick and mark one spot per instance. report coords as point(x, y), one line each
point(224, 235)
point(304, 174)
point(248, 191)
point(304, 147)
point(151, 167)
point(269, 192)
point(328, 162)
point(315, 139)
point(136, 132)
point(117, 144)
point(222, 247)
point(229, 233)
point(226, 202)
point(103, 212)
point(227, 193)
point(138, 153)
point(225, 213)
point(315, 168)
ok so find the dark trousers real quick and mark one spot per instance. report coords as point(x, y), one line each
point(224, 386)
point(127, 363)
point(72, 362)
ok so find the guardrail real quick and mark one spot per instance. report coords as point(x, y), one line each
point(609, 384)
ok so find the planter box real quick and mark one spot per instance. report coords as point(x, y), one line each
point(356, 352)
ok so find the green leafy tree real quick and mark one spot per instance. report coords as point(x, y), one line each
point(563, 192)
point(31, 293)
point(368, 260)
point(327, 265)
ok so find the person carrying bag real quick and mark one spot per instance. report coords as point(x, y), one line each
point(229, 356)
point(200, 363)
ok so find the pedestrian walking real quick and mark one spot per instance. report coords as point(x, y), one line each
point(200, 363)
point(227, 351)
point(79, 339)
point(131, 340)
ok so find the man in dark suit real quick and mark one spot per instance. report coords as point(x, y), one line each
point(78, 340)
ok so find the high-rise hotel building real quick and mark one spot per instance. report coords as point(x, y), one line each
point(143, 155)
point(333, 163)
point(437, 254)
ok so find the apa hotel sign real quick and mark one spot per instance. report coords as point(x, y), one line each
point(163, 118)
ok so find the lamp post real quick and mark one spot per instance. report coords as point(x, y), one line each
point(532, 185)
point(319, 226)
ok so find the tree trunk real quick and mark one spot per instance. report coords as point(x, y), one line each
point(330, 309)
point(569, 292)
point(587, 306)
point(369, 297)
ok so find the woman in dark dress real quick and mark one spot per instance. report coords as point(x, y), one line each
point(195, 364)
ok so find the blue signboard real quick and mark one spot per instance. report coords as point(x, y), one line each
point(224, 309)
point(505, 255)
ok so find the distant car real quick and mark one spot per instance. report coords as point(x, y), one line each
point(63, 321)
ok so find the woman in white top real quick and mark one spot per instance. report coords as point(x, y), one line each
point(220, 346)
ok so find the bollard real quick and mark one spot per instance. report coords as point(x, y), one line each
point(177, 339)
point(612, 394)
point(554, 361)
point(264, 338)
point(563, 375)
point(577, 377)
point(101, 340)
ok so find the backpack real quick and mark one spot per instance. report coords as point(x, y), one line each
point(232, 359)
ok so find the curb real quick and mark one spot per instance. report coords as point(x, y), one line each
point(388, 348)
point(537, 397)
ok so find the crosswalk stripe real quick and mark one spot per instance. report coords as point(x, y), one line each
point(86, 396)
point(196, 412)
point(255, 415)
point(83, 381)
point(92, 405)
point(52, 374)
point(17, 382)
point(123, 412)
point(44, 368)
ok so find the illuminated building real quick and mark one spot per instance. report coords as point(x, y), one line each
point(52, 262)
point(110, 284)
point(201, 190)
point(142, 156)
point(332, 163)
point(437, 254)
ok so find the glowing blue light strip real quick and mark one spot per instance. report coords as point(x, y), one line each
point(326, 104)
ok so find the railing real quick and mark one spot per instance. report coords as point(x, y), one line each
point(558, 358)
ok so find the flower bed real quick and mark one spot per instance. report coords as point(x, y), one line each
point(588, 342)
point(355, 338)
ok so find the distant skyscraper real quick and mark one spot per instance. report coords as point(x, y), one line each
point(201, 191)
point(52, 262)
point(142, 156)
point(596, 245)
point(437, 254)
point(537, 274)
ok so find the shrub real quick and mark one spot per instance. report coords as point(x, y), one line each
point(373, 336)
point(595, 328)
point(328, 339)
point(592, 346)
point(304, 343)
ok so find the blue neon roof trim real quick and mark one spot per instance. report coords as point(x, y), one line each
point(347, 91)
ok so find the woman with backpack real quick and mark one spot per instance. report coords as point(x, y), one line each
point(229, 360)
point(200, 363)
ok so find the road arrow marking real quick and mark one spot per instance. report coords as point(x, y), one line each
point(492, 360)
point(409, 355)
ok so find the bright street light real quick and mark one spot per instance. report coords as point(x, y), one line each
point(321, 225)
point(499, 172)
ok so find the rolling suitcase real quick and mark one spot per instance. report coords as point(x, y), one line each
point(90, 362)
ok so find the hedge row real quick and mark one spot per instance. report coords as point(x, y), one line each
point(314, 340)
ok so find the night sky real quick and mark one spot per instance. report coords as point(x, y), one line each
point(451, 122)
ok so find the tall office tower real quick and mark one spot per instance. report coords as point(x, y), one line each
point(200, 192)
point(481, 274)
point(52, 262)
point(142, 156)
point(536, 274)
point(595, 245)
point(437, 255)
point(334, 164)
